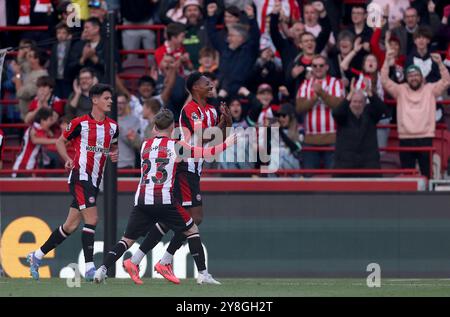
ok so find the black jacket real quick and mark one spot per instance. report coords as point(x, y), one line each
point(356, 138)
point(74, 65)
point(235, 65)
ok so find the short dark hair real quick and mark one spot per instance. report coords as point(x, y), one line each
point(43, 114)
point(423, 31)
point(99, 89)
point(233, 10)
point(27, 43)
point(45, 81)
point(95, 21)
point(153, 104)
point(86, 70)
point(174, 29)
point(40, 54)
point(62, 25)
point(207, 51)
point(146, 79)
point(191, 80)
point(163, 119)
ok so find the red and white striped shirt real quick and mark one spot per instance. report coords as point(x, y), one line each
point(92, 140)
point(27, 158)
point(192, 114)
point(160, 158)
point(319, 119)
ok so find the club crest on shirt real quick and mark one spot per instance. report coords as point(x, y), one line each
point(92, 199)
point(111, 131)
point(194, 116)
point(199, 197)
point(69, 126)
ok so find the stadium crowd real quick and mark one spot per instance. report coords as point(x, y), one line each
point(320, 71)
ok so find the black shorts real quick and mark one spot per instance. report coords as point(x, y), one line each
point(143, 217)
point(84, 193)
point(187, 189)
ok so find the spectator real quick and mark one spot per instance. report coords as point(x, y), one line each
point(45, 98)
point(98, 9)
point(150, 109)
point(35, 136)
point(26, 88)
point(289, 132)
point(196, 37)
point(357, 117)
point(231, 16)
point(129, 134)
point(314, 16)
point(79, 103)
point(21, 64)
point(352, 60)
point(238, 54)
point(359, 27)
point(90, 51)
point(405, 33)
point(140, 13)
point(267, 69)
point(172, 12)
point(238, 156)
point(396, 71)
point(416, 109)
point(170, 85)
point(173, 46)
point(309, 46)
point(146, 90)
point(58, 61)
point(317, 96)
point(208, 60)
point(260, 106)
point(420, 55)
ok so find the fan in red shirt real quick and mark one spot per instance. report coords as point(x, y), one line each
point(95, 138)
point(175, 33)
point(35, 136)
point(45, 99)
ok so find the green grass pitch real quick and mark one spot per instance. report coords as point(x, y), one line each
point(229, 288)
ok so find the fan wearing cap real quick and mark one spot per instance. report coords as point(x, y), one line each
point(196, 36)
point(416, 109)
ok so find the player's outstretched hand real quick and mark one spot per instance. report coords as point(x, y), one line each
point(231, 140)
point(69, 164)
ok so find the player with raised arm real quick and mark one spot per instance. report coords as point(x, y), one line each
point(196, 113)
point(95, 138)
point(154, 200)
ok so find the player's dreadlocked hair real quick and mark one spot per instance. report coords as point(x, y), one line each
point(163, 119)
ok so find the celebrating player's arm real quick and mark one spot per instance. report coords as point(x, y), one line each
point(207, 152)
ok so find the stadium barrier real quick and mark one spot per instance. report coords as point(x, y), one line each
point(257, 228)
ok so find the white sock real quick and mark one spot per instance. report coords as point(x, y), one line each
point(204, 272)
point(137, 257)
point(39, 254)
point(89, 265)
point(167, 258)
